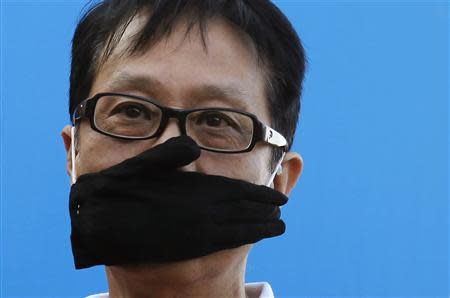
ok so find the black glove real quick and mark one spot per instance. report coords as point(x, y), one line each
point(144, 210)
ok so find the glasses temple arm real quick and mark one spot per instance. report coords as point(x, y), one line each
point(273, 137)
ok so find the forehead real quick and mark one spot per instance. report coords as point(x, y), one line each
point(185, 70)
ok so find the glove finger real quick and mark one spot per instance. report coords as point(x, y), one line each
point(243, 211)
point(261, 193)
point(230, 189)
point(245, 233)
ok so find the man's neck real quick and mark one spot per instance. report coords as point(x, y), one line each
point(202, 277)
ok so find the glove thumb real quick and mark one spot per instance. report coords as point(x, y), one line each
point(172, 154)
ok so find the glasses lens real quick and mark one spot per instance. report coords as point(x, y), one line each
point(220, 130)
point(126, 117)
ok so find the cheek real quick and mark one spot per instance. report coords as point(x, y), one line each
point(97, 152)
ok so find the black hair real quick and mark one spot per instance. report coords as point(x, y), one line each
point(277, 44)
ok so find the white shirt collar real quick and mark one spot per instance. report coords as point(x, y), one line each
point(252, 290)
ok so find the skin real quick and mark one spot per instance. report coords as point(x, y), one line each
point(182, 68)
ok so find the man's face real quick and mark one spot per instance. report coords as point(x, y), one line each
point(178, 72)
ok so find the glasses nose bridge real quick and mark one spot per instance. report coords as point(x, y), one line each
point(178, 114)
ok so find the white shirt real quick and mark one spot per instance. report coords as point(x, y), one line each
point(252, 290)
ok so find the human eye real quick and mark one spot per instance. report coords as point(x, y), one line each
point(215, 119)
point(132, 111)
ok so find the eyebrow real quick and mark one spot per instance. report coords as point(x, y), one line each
point(123, 81)
point(230, 94)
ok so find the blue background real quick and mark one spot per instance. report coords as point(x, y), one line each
point(370, 215)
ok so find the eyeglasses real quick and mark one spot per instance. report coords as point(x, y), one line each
point(132, 117)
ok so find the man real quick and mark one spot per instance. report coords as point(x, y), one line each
point(182, 111)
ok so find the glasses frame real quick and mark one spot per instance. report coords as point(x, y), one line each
point(261, 131)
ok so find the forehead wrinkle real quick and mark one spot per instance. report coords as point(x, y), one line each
point(231, 94)
point(122, 81)
point(237, 97)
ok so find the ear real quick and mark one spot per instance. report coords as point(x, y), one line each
point(292, 167)
point(67, 138)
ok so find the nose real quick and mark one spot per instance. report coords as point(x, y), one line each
point(172, 130)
